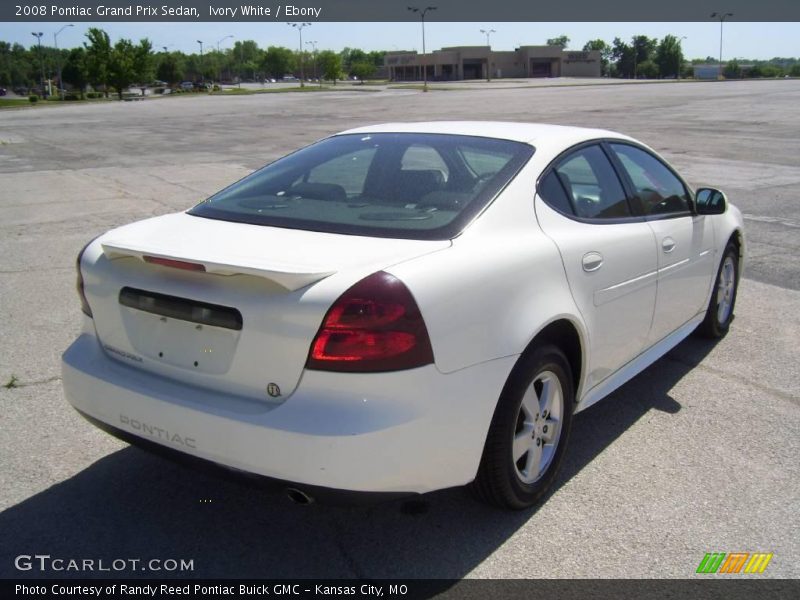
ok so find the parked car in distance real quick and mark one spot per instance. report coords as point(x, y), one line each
point(187, 86)
point(402, 308)
point(3, 91)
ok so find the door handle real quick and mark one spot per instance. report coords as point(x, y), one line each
point(668, 244)
point(592, 261)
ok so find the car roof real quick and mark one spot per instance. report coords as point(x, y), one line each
point(537, 134)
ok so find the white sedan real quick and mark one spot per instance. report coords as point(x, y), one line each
point(402, 308)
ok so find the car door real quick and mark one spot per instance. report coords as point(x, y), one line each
point(609, 255)
point(684, 240)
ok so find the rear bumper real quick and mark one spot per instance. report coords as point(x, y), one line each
point(402, 432)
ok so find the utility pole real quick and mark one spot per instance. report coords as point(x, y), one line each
point(314, 53)
point(202, 76)
point(422, 12)
point(488, 32)
point(721, 17)
point(41, 59)
point(219, 67)
point(299, 27)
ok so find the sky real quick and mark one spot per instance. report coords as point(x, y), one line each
point(741, 40)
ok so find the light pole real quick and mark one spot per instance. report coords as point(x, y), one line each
point(219, 68)
point(488, 32)
point(299, 27)
point(721, 17)
point(58, 59)
point(202, 76)
point(314, 53)
point(422, 12)
point(41, 60)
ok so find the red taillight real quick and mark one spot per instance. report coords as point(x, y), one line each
point(85, 309)
point(374, 326)
point(175, 264)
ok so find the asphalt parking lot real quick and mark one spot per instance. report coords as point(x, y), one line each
point(698, 454)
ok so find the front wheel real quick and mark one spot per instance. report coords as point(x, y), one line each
point(719, 314)
point(529, 431)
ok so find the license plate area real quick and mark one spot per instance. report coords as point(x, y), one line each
point(184, 333)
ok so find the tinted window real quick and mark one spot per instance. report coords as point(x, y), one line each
point(591, 182)
point(349, 171)
point(658, 189)
point(552, 192)
point(417, 186)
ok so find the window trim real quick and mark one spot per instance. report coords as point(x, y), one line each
point(634, 204)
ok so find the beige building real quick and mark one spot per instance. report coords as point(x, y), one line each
point(472, 62)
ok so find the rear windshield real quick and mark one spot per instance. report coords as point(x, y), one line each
point(406, 185)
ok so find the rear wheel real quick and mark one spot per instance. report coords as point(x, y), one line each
point(529, 431)
point(719, 314)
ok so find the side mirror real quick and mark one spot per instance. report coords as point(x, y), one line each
point(710, 201)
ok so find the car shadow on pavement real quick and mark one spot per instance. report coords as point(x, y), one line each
point(131, 505)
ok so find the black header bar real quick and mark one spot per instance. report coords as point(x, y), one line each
point(396, 10)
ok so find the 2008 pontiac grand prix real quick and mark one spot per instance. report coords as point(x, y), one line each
point(402, 308)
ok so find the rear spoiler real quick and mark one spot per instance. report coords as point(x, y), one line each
point(287, 276)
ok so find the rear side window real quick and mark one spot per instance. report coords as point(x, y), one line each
point(592, 185)
point(407, 185)
point(552, 192)
point(659, 190)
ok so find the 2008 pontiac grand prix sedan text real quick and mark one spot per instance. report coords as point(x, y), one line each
point(403, 308)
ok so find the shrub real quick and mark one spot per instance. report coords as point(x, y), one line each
point(216, 88)
point(33, 98)
point(72, 97)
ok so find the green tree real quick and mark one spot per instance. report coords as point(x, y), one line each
point(330, 64)
point(644, 50)
point(143, 67)
point(362, 70)
point(561, 40)
point(647, 69)
point(669, 56)
point(75, 71)
point(169, 68)
point(98, 58)
point(623, 57)
point(376, 57)
point(733, 70)
point(605, 52)
point(352, 56)
point(122, 66)
point(247, 57)
point(278, 61)
point(794, 71)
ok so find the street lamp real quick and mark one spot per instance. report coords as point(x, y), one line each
point(721, 17)
point(488, 32)
point(202, 76)
point(41, 60)
point(314, 53)
point(219, 67)
point(58, 58)
point(299, 27)
point(422, 12)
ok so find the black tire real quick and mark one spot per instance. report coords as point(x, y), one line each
point(718, 319)
point(502, 481)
